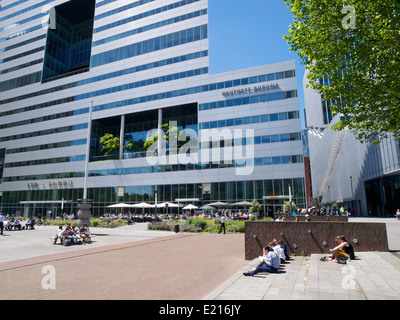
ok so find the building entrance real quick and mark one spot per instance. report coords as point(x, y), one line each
point(47, 209)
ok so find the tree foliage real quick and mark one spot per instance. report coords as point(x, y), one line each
point(255, 206)
point(361, 61)
point(169, 136)
point(110, 143)
point(286, 206)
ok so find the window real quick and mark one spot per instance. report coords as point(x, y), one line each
point(276, 160)
point(275, 138)
point(273, 117)
point(266, 139)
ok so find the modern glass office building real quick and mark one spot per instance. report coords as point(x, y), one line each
point(72, 72)
point(362, 177)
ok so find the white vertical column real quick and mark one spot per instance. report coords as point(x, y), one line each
point(122, 138)
point(159, 141)
point(89, 131)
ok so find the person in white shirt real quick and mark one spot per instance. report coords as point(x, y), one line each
point(9, 224)
point(279, 251)
point(223, 222)
point(17, 224)
point(271, 263)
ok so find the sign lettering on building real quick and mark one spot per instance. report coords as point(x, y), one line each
point(56, 184)
point(260, 88)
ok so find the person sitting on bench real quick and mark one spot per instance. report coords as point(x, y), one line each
point(17, 224)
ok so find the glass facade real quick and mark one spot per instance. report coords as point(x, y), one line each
point(383, 196)
point(68, 45)
point(230, 192)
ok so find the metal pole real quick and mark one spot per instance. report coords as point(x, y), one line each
point(155, 204)
point(87, 151)
point(290, 199)
point(159, 141)
point(122, 138)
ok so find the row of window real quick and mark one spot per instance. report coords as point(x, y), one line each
point(45, 161)
point(23, 43)
point(151, 27)
point(187, 91)
point(17, 24)
point(45, 118)
point(104, 2)
point(138, 84)
point(261, 161)
point(232, 191)
point(139, 16)
point(250, 120)
point(249, 100)
point(285, 137)
point(151, 45)
point(46, 176)
point(124, 8)
point(38, 5)
point(143, 83)
point(20, 81)
point(21, 66)
point(148, 66)
point(44, 132)
point(21, 33)
point(16, 3)
point(23, 54)
point(54, 145)
point(264, 161)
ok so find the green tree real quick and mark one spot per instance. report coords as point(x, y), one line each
point(356, 44)
point(255, 206)
point(286, 206)
point(167, 133)
point(110, 143)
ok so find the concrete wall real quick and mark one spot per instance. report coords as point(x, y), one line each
point(310, 237)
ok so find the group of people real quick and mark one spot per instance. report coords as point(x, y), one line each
point(335, 211)
point(17, 224)
point(73, 235)
point(274, 254)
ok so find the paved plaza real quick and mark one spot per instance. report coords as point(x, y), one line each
point(133, 263)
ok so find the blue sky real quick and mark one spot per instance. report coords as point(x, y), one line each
point(249, 33)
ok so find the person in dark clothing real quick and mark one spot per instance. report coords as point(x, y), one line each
point(344, 249)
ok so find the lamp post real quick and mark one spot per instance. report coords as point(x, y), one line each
point(84, 212)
